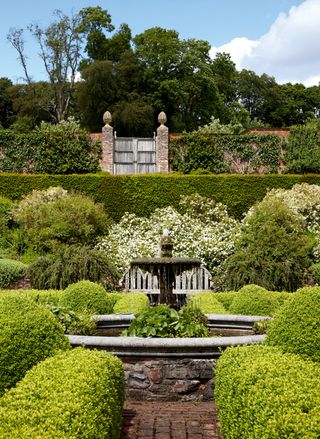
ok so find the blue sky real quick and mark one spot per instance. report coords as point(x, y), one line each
point(277, 37)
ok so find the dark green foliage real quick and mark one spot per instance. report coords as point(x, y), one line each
point(28, 334)
point(295, 327)
point(6, 207)
point(163, 321)
point(303, 150)
point(73, 219)
point(131, 303)
point(262, 393)
point(142, 194)
point(253, 153)
point(79, 323)
point(10, 271)
point(273, 250)
point(207, 302)
point(86, 296)
point(77, 394)
point(315, 268)
point(70, 264)
point(53, 152)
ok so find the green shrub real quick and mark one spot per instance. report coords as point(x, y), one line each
point(69, 219)
point(303, 149)
point(70, 264)
point(295, 327)
point(274, 250)
point(86, 296)
point(262, 393)
point(10, 271)
point(163, 321)
point(6, 207)
point(28, 334)
point(131, 303)
point(225, 298)
point(77, 394)
point(207, 303)
point(79, 323)
point(253, 300)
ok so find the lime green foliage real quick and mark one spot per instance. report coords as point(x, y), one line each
point(77, 394)
point(262, 393)
point(163, 321)
point(131, 303)
point(225, 298)
point(142, 194)
point(295, 327)
point(70, 264)
point(248, 153)
point(261, 327)
point(28, 334)
point(86, 296)
point(253, 300)
point(207, 302)
point(51, 149)
point(67, 219)
point(11, 270)
point(274, 249)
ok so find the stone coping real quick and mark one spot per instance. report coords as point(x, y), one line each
point(214, 320)
point(164, 347)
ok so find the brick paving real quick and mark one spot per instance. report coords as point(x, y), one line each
point(170, 420)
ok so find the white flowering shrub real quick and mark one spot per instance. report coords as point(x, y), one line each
point(26, 208)
point(304, 199)
point(202, 229)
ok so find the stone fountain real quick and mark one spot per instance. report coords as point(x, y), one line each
point(166, 268)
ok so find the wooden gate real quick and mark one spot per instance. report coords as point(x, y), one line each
point(134, 156)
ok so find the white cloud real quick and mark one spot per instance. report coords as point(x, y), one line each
point(289, 51)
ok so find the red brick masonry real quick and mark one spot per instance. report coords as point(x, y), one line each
point(170, 420)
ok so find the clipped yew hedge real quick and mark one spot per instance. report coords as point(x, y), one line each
point(76, 394)
point(29, 333)
point(142, 194)
point(263, 394)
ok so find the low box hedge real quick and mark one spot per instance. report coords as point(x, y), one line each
point(29, 333)
point(263, 394)
point(131, 303)
point(295, 327)
point(207, 302)
point(76, 394)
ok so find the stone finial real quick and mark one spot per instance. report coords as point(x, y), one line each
point(107, 118)
point(162, 118)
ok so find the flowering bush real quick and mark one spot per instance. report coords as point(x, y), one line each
point(303, 199)
point(202, 229)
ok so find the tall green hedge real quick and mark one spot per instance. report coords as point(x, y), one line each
point(142, 194)
point(77, 394)
point(303, 150)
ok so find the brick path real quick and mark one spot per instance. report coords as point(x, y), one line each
point(170, 420)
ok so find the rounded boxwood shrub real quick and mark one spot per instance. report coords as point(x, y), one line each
point(28, 334)
point(295, 327)
point(131, 303)
point(262, 393)
point(207, 303)
point(87, 296)
point(76, 394)
point(253, 300)
point(225, 298)
point(10, 271)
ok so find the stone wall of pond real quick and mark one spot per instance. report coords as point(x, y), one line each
point(169, 379)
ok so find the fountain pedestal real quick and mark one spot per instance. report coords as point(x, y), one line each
point(166, 268)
